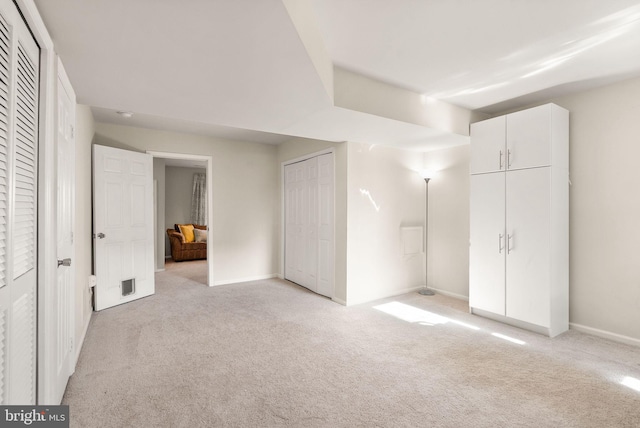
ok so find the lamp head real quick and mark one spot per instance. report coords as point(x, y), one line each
point(427, 174)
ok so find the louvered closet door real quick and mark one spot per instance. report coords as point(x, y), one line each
point(18, 194)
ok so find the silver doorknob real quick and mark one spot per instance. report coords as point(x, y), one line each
point(101, 235)
point(64, 262)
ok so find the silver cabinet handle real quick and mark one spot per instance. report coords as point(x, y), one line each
point(64, 262)
point(501, 156)
point(101, 235)
point(509, 241)
point(500, 247)
point(509, 158)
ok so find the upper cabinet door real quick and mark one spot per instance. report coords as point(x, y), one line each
point(529, 135)
point(488, 149)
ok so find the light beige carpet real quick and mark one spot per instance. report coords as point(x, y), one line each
point(269, 353)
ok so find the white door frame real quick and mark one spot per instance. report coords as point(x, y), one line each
point(209, 160)
point(47, 183)
point(283, 228)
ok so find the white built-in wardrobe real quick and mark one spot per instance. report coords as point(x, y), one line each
point(519, 229)
point(309, 223)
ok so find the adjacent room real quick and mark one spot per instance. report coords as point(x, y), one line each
point(181, 213)
point(327, 213)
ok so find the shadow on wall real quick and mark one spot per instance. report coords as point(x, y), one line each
point(109, 142)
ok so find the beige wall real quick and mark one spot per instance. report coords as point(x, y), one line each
point(385, 193)
point(604, 153)
point(245, 195)
point(83, 242)
point(448, 249)
point(161, 235)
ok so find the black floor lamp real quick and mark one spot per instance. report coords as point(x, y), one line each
point(427, 176)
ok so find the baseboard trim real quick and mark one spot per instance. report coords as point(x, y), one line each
point(605, 334)
point(245, 279)
point(80, 342)
point(450, 294)
point(513, 322)
point(340, 301)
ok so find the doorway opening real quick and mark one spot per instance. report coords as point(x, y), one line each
point(173, 207)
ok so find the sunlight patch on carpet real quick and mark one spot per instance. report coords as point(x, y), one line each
point(631, 382)
point(508, 339)
point(412, 314)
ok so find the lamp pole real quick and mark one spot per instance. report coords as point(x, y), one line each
point(425, 291)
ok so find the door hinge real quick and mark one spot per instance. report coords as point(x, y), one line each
point(72, 130)
point(71, 344)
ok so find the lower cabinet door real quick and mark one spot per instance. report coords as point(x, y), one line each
point(528, 245)
point(487, 243)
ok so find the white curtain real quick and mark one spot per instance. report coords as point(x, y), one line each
point(199, 199)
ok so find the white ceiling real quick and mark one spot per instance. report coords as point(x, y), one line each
point(479, 53)
point(262, 70)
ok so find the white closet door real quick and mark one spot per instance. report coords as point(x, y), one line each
point(19, 65)
point(296, 222)
point(309, 219)
point(311, 212)
point(488, 241)
point(528, 226)
point(290, 212)
point(325, 225)
point(299, 242)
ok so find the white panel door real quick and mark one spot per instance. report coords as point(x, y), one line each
point(488, 147)
point(290, 211)
point(296, 222)
point(488, 241)
point(309, 229)
point(299, 243)
point(311, 211)
point(325, 226)
point(529, 138)
point(528, 246)
point(60, 322)
point(123, 225)
point(19, 80)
